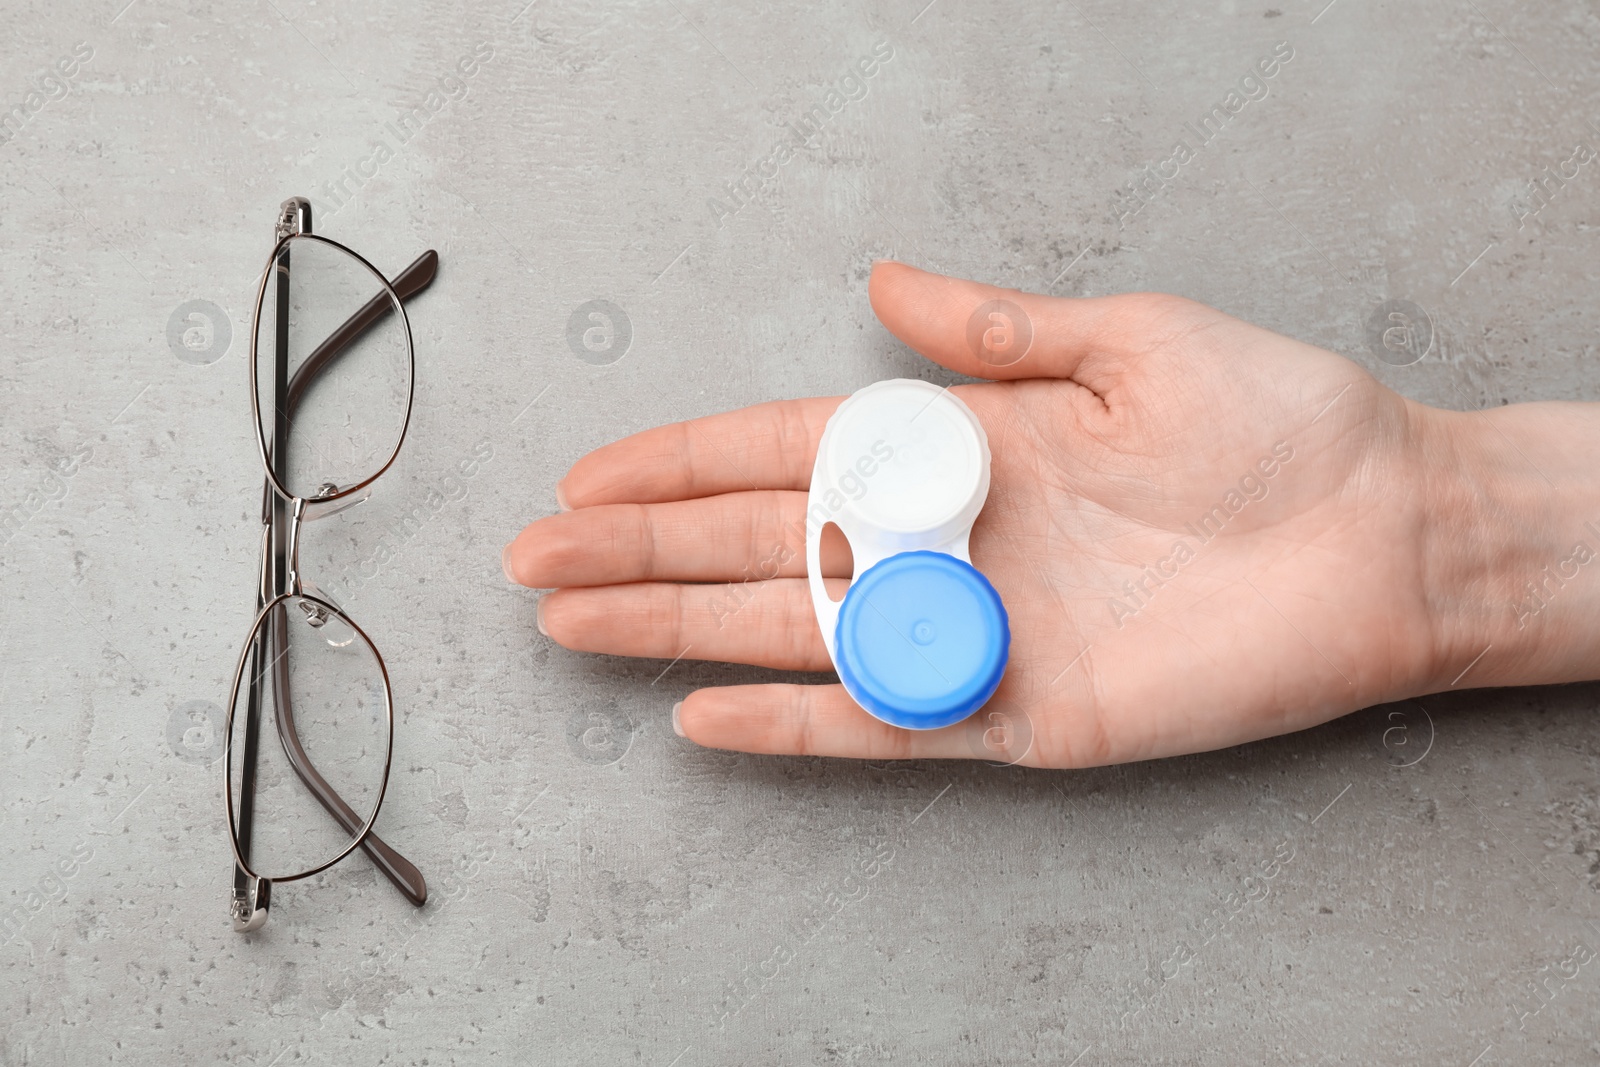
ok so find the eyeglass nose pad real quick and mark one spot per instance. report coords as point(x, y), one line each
point(335, 630)
point(316, 510)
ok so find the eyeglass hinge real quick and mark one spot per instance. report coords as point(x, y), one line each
point(294, 216)
point(250, 914)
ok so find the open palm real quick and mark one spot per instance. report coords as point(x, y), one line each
point(1204, 533)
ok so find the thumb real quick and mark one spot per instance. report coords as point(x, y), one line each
point(988, 332)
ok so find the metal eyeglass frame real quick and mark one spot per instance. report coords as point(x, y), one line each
point(282, 514)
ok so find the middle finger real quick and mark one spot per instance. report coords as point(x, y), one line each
point(733, 537)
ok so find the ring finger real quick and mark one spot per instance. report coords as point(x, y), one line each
point(766, 624)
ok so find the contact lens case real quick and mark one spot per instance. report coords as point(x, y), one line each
point(921, 638)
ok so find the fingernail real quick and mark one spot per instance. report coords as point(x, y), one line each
point(538, 617)
point(561, 498)
point(677, 719)
point(505, 564)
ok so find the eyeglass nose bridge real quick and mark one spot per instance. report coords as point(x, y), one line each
point(302, 511)
point(297, 515)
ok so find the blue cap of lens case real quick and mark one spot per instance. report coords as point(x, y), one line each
point(921, 638)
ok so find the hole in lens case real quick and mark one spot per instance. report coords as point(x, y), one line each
point(921, 638)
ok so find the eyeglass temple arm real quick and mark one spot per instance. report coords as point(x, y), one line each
point(400, 871)
point(411, 281)
point(252, 897)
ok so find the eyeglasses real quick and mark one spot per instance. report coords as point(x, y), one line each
point(331, 382)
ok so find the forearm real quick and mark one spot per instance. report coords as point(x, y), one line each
point(1511, 553)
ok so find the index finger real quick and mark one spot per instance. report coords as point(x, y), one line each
point(767, 446)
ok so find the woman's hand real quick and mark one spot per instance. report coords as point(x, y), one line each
point(1204, 533)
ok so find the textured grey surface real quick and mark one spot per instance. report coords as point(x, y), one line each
point(603, 891)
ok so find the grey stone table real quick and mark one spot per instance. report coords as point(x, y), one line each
point(723, 177)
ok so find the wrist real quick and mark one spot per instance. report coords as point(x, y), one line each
point(1511, 548)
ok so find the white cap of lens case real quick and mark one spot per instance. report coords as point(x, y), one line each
point(921, 638)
